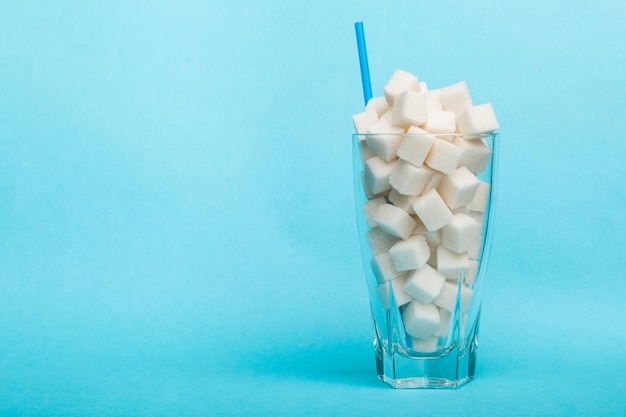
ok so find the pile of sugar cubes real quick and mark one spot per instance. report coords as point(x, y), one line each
point(425, 204)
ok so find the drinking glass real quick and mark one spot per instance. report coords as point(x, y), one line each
point(444, 357)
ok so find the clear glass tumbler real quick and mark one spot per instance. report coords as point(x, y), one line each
point(425, 276)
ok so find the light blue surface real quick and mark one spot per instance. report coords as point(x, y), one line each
point(177, 230)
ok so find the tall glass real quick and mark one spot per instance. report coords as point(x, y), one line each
point(421, 341)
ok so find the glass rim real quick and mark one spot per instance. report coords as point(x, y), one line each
point(452, 135)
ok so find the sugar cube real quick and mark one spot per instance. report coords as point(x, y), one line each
point(443, 156)
point(448, 296)
point(474, 253)
point(433, 238)
point(479, 202)
point(408, 179)
point(383, 268)
point(409, 108)
point(368, 193)
point(377, 173)
point(378, 104)
point(425, 345)
point(450, 263)
point(474, 153)
point(432, 210)
point(424, 284)
point(384, 139)
point(399, 82)
point(380, 241)
point(433, 100)
point(395, 284)
point(445, 318)
point(405, 202)
point(387, 117)
point(440, 122)
point(456, 97)
point(363, 121)
point(476, 119)
point(364, 151)
point(415, 145)
point(394, 221)
point(420, 320)
point(461, 234)
point(433, 181)
point(370, 207)
point(411, 253)
point(420, 229)
point(458, 188)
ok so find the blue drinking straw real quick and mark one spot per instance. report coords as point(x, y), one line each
point(365, 69)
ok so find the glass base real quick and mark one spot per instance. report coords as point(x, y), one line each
point(448, 370)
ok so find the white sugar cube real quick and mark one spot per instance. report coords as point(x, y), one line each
point(433, 181)
point(423, 87)
point(440, 122)
point(383, 268)
point(424, 284)
point(364, 151)
point(409, 108)
point(474, 253)
point(420, 229)
point(461, 234)
point(394, 221)
point(363, 121)
point(474, 153)
point(387, 117)
point(448, 296)
point(445, 323)
point(456, 97)
point(462, 209)
point(380, 241)
point(458, 188)
point(411, 253)
point(445, 318)
point(377, 173)
point(434, 241)
point(415, 145)
point(477, 119)
point(479, 216)
point(451, 264)
point(432, 210)
point(408, 179)
point(396, 284)
point(433, 238)
point(384, 139)
point(370, 207)
point(479, 202)
point(405, 202)
point(443, 156)
point(366, 189)
point(433, 100)
point(378, 104)
point(469, 278)
point(425, 345)
point(368, 193)
point(420, 320)
point(399, 82)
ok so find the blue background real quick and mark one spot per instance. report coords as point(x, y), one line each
point(177, 229)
